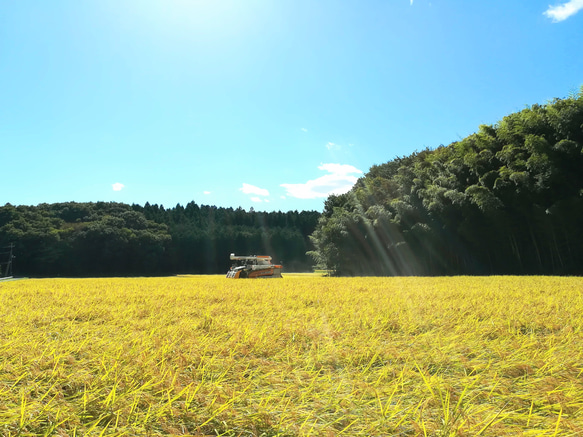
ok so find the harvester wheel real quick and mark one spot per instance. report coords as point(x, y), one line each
point(243, 274)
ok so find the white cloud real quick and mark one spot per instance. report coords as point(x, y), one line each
point(206, 192)
point(564, 11)
point(339, 181)
point(411, 2)
point(339, 169)
point(117, 186)
point(251, 189)
point(256, 199)
point(303, 129)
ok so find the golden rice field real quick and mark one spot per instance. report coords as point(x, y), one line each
point(298, 356)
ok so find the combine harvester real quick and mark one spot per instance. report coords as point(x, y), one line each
point(253, 266)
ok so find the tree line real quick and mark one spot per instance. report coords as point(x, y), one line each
point(507, 199)
point(109, 238)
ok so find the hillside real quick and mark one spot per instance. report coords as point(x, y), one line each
point(505, 200)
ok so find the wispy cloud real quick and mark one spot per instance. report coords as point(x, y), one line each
point(339, 181)
point(206, 192)
point(252, 189)
point(117, 186)
point(303, 129)
point(564, 11)
point(257, 194)
point(331, 146)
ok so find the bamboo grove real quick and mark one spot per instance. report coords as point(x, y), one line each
point(505, 200)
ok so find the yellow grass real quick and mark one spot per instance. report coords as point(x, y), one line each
point(298, 356)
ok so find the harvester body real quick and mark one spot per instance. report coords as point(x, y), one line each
point(253, 266)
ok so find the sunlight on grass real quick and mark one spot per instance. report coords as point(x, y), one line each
point(302, 355)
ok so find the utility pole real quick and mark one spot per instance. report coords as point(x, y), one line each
point(8, 262)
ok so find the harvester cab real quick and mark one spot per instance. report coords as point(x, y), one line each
point(253, 266)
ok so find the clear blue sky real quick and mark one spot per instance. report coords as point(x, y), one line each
point(263, 104)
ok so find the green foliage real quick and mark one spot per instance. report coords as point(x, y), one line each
point(493, 202)
point(97, 239)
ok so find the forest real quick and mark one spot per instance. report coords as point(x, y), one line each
point(116, 239)
point(507, 199)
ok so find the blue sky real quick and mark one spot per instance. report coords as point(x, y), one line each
point(264, 104)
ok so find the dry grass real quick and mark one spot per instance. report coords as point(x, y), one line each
point(298, 356)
